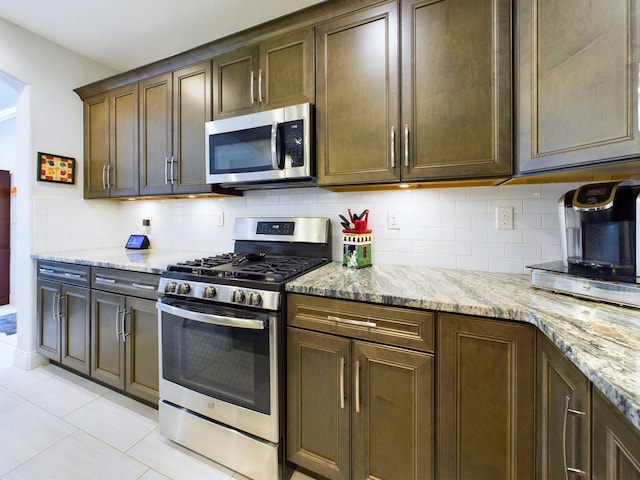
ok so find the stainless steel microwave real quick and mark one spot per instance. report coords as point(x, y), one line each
point(267, 149)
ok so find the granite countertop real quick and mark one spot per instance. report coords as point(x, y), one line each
point(602, 340)
point(148, 261)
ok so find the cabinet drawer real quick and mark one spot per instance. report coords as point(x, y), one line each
point(64, 272)
point(402, 327)
point(133, 284)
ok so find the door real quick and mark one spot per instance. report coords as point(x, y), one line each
point(96, 146)
point(191, 109)
point(5, 235)
point(616, 443)
point(141, 346)
point(392, 408)
point(48, 324)
point(578, 100)
point(123, 168)
point(357, 108)
point(456, 89)
point(318, 402)
point(287, 70)
point(563, 415)
point(155, 135)
point(107, 353)
point(75, 319)
point(485, 399)
point(234, 81)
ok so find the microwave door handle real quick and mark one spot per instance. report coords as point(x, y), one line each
point(211, 318)
point(277, 153)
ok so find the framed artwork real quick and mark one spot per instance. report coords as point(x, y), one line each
point(56, 168)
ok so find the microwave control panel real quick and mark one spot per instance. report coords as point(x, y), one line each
point(294, 142)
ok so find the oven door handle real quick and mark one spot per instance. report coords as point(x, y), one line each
point(211, 318)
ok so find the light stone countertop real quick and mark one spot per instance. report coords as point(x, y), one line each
point(602, 340)
point(148, 261)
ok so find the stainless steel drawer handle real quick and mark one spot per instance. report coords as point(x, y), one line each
point(360, 323)
point(46, 270)
point(72, 275)
point(576, 471)
point(144, 287)
point(105, 280)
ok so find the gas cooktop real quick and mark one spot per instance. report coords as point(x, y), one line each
point(250, 266)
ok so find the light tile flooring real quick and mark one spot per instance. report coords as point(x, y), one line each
point(57, 425)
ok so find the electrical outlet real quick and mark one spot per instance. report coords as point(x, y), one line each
point(504, 218)
point(393, 220)
point(220, 219)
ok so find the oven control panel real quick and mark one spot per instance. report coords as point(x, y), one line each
point(233, 295)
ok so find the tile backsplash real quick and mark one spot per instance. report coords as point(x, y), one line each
point(440, 227)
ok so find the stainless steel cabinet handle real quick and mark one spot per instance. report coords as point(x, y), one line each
point(173, 178)
point(352, 322)
point(55, 307)
point(260, 99)
point(342, 383)
point(568, 411)
point(108, 177)
point(104, 177)
point(105, 280)
point(72, 275)
point(393, 147)
point(144, 287)
point(406, 145)
point(357, 386)
point(118, 312)
point(125, 334)
point(252, 96)
point(166, 170)
point(46, 270)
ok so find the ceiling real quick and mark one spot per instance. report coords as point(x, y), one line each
point(124, 34)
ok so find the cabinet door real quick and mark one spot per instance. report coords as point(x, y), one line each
point(155, 135)
point(616, 443)
point(287, 72)
point(107, 354)
point(563, 415)
point(122, 176)
point(96, 146)
point(392, 413)
point(234, 83)
point(48, 327)
point(141, 347)
point(191, 109)
point(75, 317)
point(456, 89)
point(318, 398)
point(357, 108)
point(578, 87)
point(485, 399)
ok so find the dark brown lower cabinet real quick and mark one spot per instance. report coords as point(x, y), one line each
point(563, 409)
point(124, 343)
point(616, 443)
point(485, 399)
point(63, 314)
point(358, 410)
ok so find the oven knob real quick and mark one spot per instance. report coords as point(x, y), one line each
point(170, 287)
point(255, 299)
point(238, 296)
point(208, 292)
point(183, 288)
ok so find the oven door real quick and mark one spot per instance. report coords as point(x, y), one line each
point(220, 363)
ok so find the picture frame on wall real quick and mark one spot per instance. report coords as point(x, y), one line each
point(56, 168)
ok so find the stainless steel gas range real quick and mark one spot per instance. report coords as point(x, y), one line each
point(222, 332)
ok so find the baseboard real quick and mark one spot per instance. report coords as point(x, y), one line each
point(28, 360)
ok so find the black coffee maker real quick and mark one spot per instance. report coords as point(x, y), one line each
point(599, 228)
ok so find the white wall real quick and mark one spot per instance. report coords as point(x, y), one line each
point(48, 119)
point(448, 227)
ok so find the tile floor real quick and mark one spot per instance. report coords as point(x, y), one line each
point(57, 425)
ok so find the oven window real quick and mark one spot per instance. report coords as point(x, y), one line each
point(241, 151)
point(230, 364)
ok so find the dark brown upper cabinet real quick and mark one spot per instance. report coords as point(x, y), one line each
point(276, 72)
point(441, 111)
point(578, 85)
point(173, 110)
